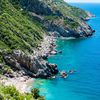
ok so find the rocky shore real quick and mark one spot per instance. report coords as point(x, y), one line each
point(20, 51)
point(34, 64)
point(46, 47)
point(90, 15)
point(28, 67)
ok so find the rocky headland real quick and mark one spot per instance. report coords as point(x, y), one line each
point(28, 32)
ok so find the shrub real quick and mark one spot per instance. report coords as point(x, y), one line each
point(35, 93)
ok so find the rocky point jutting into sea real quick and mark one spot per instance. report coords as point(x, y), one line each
point(28, 31)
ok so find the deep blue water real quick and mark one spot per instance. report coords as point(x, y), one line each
point(82, 55)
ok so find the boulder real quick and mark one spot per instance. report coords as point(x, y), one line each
point(45, 56)
point(54, 52)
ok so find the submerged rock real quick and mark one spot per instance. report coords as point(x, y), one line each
point(63, 74)
point(60, 52)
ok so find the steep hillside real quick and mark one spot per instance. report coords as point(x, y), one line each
point(57, 16)
point(23, 24)
point(17, 30)
point(70, 20)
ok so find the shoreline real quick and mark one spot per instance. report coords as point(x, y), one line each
point(22, 82)
point(46, 47)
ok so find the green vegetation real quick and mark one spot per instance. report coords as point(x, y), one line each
point(71, 24)
point(35, 93)
point(70, 12)
point(20, 30)
point(10, 93)
point(5, 69)
point(66, 9)
point(17, 31)
point(51, 17)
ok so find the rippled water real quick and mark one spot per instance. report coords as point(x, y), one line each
point(82, 55)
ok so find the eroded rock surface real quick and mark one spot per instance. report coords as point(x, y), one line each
point(34, 66)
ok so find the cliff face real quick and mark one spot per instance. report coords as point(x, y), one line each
point(23, 24)
point(56, 15)
point(33, 66)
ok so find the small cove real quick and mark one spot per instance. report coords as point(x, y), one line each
point(82, 55)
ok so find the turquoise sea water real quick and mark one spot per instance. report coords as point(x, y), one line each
point(82, 55)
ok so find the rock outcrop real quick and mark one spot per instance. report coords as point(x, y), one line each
point(34, 66)
point(23, 25)
point(68, 22)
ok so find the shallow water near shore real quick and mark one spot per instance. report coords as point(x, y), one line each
point(82, 55)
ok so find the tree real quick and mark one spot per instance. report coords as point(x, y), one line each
point(35, 93)
point(1, 97)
